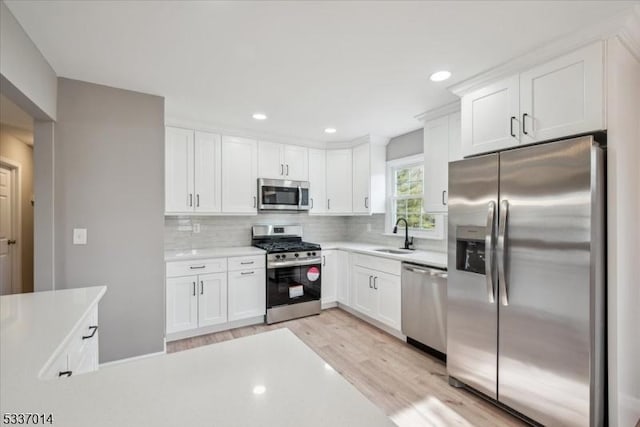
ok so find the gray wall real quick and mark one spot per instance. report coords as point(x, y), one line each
point(405, 145)
point(109, 178)
point(27, 77)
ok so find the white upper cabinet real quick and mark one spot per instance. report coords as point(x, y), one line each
point(179, 175)
point(441, 146)
point(239, 175)
point(192, 171)
point(560, 98)
point(361, 178)
point(280, 161)
point(563, 97)
point(490, 117)
point(208, 172)
point(317, 181)
point(339, 181)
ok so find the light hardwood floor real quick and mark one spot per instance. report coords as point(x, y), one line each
point(410, 386)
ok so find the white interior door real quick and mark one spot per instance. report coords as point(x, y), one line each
point(6, 232)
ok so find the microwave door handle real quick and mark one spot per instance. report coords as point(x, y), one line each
point(502, 253)
point(299, 197)
point(488, 250)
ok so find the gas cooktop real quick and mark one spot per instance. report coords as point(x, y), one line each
point(274, 247)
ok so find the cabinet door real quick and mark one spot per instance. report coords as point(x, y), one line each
point(178, 172)
point(343, 277)
point(317, 181)
point(270, 164)
point(436, 164)
point(361, 179)
point(329, 277)
point(490, 117)
point(212, 299)
point(455, 129)
point(339, 181)
point(208, 173)
point(247, 294)
point(363, 300)
point(182, 304)
point(563, 97)
point(296, 162)
point(388, 299)
point(239, 175)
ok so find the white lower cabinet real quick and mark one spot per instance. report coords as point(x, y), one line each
point(329, 277)
point(212, 300)
point(80, 354)
point(377, 294)
point(247, 294)
point(182, 303)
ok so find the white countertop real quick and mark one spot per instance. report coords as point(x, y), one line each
point(184, 255)
point(428, 258)
point(211, 385)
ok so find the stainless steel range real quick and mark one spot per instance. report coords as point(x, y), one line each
point(294, 273)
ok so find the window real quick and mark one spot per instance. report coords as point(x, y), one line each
point(405, 184)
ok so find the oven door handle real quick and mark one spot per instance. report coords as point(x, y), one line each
point(294, 263)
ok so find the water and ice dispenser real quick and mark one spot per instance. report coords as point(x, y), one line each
point(470, 248)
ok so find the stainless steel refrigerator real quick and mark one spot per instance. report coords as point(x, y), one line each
point(525, 318)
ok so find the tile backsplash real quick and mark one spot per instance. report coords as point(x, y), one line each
point(226, 231)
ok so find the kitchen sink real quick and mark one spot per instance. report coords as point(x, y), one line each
point(394, 251)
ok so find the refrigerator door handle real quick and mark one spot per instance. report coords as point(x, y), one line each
point(501, 252)
point(488, 243)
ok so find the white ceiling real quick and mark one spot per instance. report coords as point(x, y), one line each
point(361, 67)
point(16, 121)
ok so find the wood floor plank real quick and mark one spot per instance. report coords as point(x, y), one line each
point(410, 386)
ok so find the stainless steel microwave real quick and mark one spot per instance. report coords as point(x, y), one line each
point(283, 195)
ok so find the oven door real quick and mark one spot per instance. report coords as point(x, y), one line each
point(292, 285)
point(277, 194)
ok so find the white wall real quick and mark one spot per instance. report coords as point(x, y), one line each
point(623, 186)
point(27, 77)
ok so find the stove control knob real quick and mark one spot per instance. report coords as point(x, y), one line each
point(308, 253)
point(297, 255)
point(284, 255)
point(313, 253)
point(277, 256)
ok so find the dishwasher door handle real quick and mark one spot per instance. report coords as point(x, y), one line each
point(435, 273)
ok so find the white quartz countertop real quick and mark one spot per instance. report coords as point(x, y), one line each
point(428, 258)
point(269, 379)
point(185, 255)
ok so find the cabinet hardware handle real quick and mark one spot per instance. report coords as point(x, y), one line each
point(201, 287)
point(194, 289)
point(244, 273)
point(93, 330)
point(524, 124)
point(375, 286)
point(197, 267)
point(370, 277)
point(281, 169)
point(324, 261)
point(255, 202)
point(65, 373)
point(328, 204)
point(366, 202)
point(444, 193)
point(190, 199)
point(311, 200)
point(246, 262)
point(511, 127)
point(287, 170)
point(197, 200)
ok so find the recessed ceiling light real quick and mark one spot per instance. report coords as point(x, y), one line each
point(259, 116)
point(330, 130)
point(440, 76)
point(259, 389)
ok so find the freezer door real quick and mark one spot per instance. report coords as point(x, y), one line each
point(471, 306)
point(550, 287)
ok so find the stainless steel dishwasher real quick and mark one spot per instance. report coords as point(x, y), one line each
point(424, 307)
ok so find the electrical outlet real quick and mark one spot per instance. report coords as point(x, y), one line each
point(196, 228)
point(79, 236)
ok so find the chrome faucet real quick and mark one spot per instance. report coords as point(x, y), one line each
point(407, 243)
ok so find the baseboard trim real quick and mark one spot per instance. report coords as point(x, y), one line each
point(330, 304)
point(175, 336)
point(373, 321)
point(132, 359)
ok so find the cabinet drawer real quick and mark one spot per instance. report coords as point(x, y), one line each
point(195, 267)
point(246, 262)
point(378, 263)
